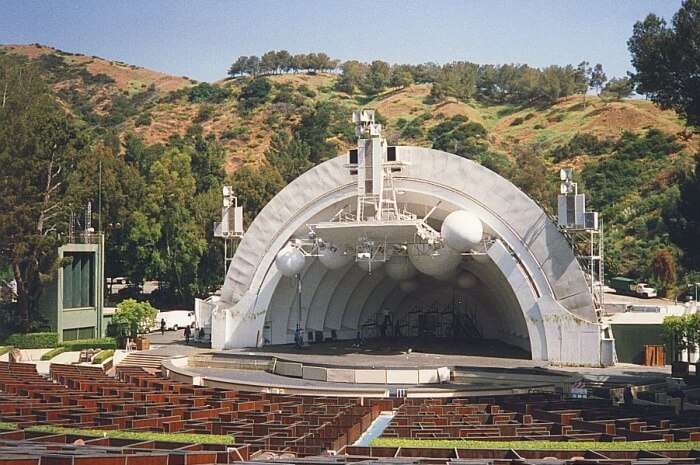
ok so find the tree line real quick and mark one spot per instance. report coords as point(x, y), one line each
point(495, 84)
point(278, 62)
point(509, 83)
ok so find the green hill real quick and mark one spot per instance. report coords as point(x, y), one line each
point(630, 156)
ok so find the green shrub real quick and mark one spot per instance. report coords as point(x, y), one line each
point(144, 119)
point(240, 133)
point(458, 136)
point(205, 92)
point(412, 131)
point(255, 93)
point(53, 352)
point(306, 91)
point(582, 143)
point(80, 344)
point(32, 340)
point(517, 121)
point(102, 356)
point(205, 112)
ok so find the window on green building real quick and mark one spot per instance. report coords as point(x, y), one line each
point(79, 280)
point(79, 333)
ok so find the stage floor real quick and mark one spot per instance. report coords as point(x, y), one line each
point(402, 353)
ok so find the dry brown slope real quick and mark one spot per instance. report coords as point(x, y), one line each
point(127, 77)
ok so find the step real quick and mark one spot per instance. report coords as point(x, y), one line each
point(140, 359)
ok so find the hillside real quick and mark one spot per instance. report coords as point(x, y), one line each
point(554, 125)
point(100, 91)
point(113, 85)
point(629, 154)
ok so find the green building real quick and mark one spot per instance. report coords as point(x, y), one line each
point(72, 304)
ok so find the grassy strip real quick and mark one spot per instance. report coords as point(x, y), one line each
point(5, 349)
point(102, 356)
point(191, 438)
point(53, 352)
point(7, 426)
point(526, 445)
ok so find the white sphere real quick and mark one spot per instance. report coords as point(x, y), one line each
point(408, 286)
point(462, 230)
point(431, 261)
point(400, 268)
point(290, 261)
point(334, 258)
point(466, 280)
point(364, 264)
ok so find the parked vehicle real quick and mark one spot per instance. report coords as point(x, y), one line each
point(628, 286)
point(174, 320)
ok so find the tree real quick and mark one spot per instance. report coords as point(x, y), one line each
point(533, 176)
point(618, 89)
point(583, 78)
point(401, 77)
point(457, 80)
point(675, 334)
point(299, 62)
point(257, 187)
point(134, 315)
point(377, 78)
point(327, 120)
point(284, 61)
point(322, 62)
point(289, 155)
point(667, 60)
point(663, 268)
point(137, 154)
point(206, 158)
point(238, 67)
point(38, 148)
point(167, 241)
point(353, 74)
point(598, 77)
point(683, 219)
point(123, 187)
point(252, 66)
point(268, 63)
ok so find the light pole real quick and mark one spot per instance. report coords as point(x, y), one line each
point(695, 285)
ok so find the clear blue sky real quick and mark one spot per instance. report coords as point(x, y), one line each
point(201, 39)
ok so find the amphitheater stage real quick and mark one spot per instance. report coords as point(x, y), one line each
point(383, 368)
point(399, 353)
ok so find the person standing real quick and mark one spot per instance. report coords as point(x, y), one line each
point(188, 333)
point(162, 326)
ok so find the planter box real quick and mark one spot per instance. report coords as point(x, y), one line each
point(143, 343)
